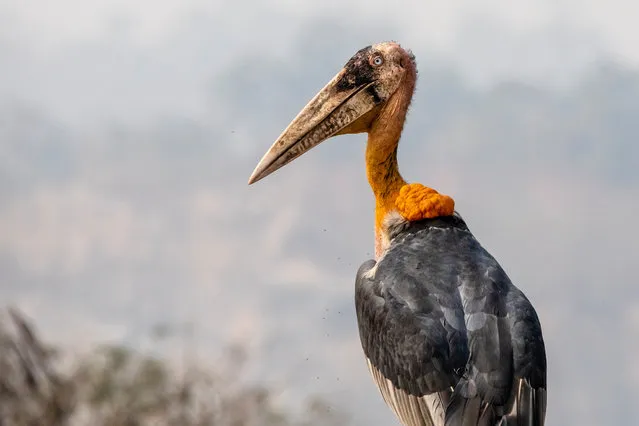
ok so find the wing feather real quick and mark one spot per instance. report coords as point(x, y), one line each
point(449, 340)
point(427, 410)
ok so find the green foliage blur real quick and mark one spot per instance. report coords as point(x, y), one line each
point(116, 386)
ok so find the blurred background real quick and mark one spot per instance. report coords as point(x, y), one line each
point(132, 248)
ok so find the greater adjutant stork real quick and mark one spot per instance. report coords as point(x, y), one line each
point(449, 340)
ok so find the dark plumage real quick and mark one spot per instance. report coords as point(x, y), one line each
point(449, 339)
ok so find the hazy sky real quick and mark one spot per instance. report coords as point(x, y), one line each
point(128, 130)
point(135, 59)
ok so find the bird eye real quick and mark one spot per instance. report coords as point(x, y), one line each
point(377, 60)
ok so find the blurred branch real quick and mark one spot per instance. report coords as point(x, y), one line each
point(31, 391)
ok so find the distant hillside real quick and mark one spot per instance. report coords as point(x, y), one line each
point(109, 228)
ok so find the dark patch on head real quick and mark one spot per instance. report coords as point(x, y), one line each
point(358, 71)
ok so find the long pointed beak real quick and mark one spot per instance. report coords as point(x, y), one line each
point(336, 106)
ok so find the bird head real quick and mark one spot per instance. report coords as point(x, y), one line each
point(349, 103)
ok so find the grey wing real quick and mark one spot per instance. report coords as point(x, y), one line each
point(529, 364)
point(413, 339)
point(505, 378)
point(449, 340)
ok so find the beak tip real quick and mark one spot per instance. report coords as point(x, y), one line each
point(257, 174)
